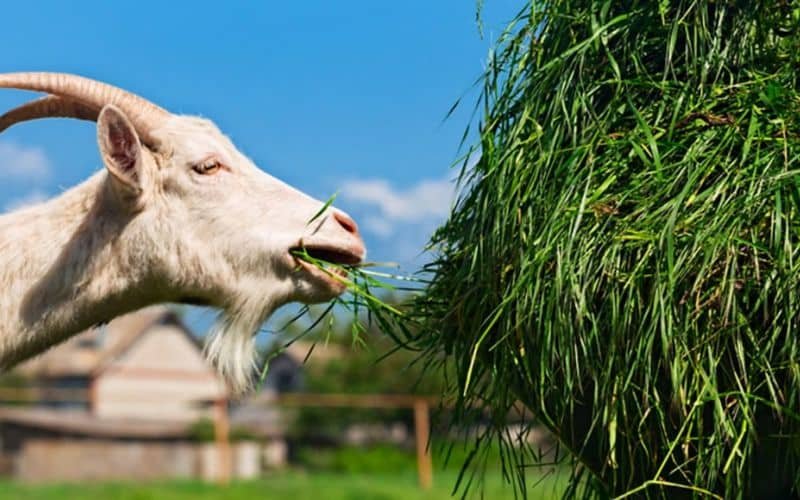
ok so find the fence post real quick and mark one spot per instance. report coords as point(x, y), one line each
point(221, 436)
point(422, 432)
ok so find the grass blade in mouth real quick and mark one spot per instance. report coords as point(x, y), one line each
point(322, 210)
point(362, 282)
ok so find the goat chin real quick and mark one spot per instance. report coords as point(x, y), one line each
point(231, 346)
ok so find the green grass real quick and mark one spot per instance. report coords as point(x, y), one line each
point(624, 254)
point(294, 485)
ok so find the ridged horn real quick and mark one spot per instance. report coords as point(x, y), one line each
point(144, 115)
point(51, 106)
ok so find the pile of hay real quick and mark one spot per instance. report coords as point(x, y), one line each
point(625, 256)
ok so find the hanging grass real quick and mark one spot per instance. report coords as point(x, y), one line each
point(624, 258)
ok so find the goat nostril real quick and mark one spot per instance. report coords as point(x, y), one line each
point(346, 222)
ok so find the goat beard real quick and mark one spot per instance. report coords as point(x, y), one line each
point(231, 346)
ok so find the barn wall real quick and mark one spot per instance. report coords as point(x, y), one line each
point(161, 376)
point(50, 460)
point(122, 396)
point(79, 460)
point(163, 347)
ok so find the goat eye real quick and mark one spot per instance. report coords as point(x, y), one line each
point(207, 167)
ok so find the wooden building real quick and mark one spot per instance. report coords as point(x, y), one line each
point(123, 401)
point(144, 365)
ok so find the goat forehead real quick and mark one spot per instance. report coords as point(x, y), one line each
point(195, 138)
point(182, 124)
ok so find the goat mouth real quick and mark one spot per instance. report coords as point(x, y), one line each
point(328, 255)
point(334, 276)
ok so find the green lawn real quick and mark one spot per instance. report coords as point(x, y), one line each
point(292, 485)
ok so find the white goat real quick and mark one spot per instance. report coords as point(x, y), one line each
point(177, 215)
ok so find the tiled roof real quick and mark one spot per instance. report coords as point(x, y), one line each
point(90, 350)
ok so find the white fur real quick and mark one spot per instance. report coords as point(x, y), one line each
point(98, 251)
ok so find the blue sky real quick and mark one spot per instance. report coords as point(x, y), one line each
point(329, 96)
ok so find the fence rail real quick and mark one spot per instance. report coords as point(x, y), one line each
point(420, 405)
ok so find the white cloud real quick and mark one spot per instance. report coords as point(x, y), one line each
point(427, 201)
point(378, 225)
point(32, 198)
point(22, 162)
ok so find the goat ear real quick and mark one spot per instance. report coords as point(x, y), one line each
point(120, 149)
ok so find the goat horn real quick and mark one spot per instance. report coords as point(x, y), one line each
point(144, 115)
point(51, 106)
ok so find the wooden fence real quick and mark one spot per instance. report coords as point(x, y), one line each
point(418, 404)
